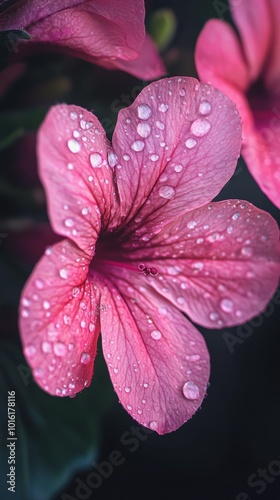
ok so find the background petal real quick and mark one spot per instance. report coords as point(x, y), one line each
point(254, 22)
point(73, 161)
point(157, 360)
point(59, 320)
point(177, 144)
point(220, 264)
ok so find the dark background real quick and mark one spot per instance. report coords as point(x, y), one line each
point(236, 433)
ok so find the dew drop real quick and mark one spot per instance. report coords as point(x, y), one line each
point(190, 143)
point(127, 389)
point(39, 284)
point(95, 160)
point(144, 111)
point(68, 222)
point(74, 145)
point(71, 386)
point(198, 266)
point(85, 358)
point(154, 157)
point(178, 168)
point(163, 107)
point(63, 274)
point(191, 224)
point(144, 129)
point(75, 291)
point(112, 159)
point(181, 300)
point(156, 335)
point(226, 305)
point(153, 425)
point(166, 192)
point(138, 146)
point(182, 92)
point(59, 349)
point(30, 350)
point(126, 157)
point(73, 115)
point(205, 108)
point(190, 391)
point(46, 347)
point(25, 313)
point(248, 251)
point(236, 216)
point(46, 304)
point(160, 125)
point(213, 316)
point(200, 127)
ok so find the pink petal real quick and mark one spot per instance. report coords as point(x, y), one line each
point(157, 360)
point(216, 41)
point(220, 264)
point(272, 69)
point(73, 165)
point(80, 21)
point(29, 243)
point(253, 19)
point(59, 320)
point(177, 144)
point(148, 64)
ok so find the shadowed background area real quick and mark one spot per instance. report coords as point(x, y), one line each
point(88, 447)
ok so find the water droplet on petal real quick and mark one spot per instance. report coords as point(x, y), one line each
point(39, 284)
point(200, 127)
point(112, 159)
point(163, 107)
point(191, 224)
point(153, 425)
point(59, 349)
point(85, 358)
point(205, 108)
point(74, 145)
point(156, 334)
point(182, 92)
point(154, 157)
point(95, 160)
point(46, 304)
point(160, 125)
point(166, 192)
point(73, 115)
point(144, 111)
point(248, 251)
point(75, 291)
point(144, 129)
point(190, 391)
point(213, 316)
point(181, 300)
point(68, 222)
point(138, 146)
point(236, 216)
point(190, 143)
point(226, 305)
point(63, 274)
point(46, 347)
point(30, 350)
point(178, 168)
point(127, 389)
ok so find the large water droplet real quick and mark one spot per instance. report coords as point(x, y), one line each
point(59, 349)
point(190, 391)
point(46, 347)
point(166, 192)
point(85, 358)
point(200, 127)
point(138, 146)
point(144, 111)
point(74, 145)
point(226, 305)
point(144, 129)
point(112, 159)
point(205, 108)
point(156, 334)
point(154, 157)
point(163, 107)
point(95, 160)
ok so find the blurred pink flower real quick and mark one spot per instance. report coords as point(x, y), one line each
point(143, 242)
point(109, 33)
point(246, 67)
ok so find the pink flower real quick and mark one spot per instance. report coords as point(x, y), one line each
point(110, 33)
point(143, 242)
point(245, 66)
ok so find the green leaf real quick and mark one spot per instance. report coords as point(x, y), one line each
point(56, 437)
point(162, 27)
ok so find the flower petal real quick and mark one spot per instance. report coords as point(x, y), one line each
point(59, 320)
point(253, 19)
point(272, 69)
point(176, 130)
point(73, 157)
point(157, 360)
point(220, 264)
point(216, 41)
